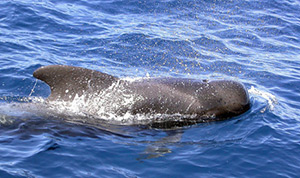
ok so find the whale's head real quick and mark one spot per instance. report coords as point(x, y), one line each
point(227, 98)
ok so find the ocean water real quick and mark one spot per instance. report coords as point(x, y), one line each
point(254, 42)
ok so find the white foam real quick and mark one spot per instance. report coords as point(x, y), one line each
point(105, 105)
point(271, 99)
point(130, 79)
point(4, 119)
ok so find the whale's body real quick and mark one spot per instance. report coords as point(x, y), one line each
point(218, 99)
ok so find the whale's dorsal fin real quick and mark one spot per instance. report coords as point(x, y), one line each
point(67, 81)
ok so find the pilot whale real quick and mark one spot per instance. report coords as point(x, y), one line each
point(202, 99)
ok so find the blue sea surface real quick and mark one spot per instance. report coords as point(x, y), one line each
point(256, 42)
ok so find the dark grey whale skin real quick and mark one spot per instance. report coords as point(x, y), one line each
point(220, 98)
